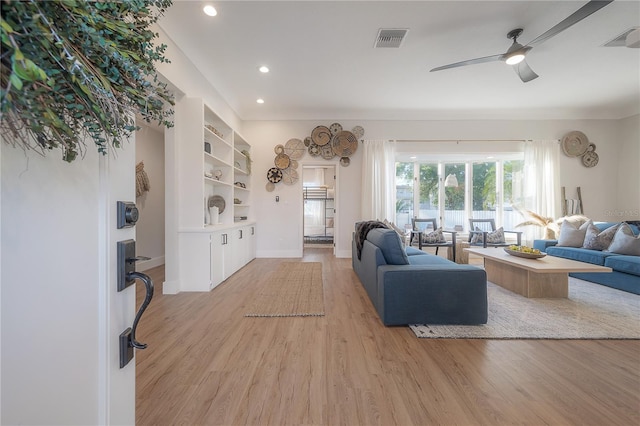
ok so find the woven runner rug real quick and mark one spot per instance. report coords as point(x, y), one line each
point(592, 311)
point(293, 290)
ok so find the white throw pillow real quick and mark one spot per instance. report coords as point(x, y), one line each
point(625, 242)
point(571, 235)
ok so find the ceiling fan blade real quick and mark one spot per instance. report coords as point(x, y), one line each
point(574, 18)
point(492, 58)
point(524, 71)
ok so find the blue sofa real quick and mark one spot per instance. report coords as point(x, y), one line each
point(626, 269)
point(409, 286)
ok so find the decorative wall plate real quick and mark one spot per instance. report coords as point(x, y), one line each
point(335, 128)
point(282, 161)
point(314, 150)
point(358, 131)
point(217, 201)
point(274, 175)
point(321, 135)
point(295, 149)
point(590, 158)
point(294, 164)
point(575, 144)
point(344, 144)
point(307, 141)
point(327, 152)
point(279, 149)
point(270, 186)
point(289, 176)
point(345, 161)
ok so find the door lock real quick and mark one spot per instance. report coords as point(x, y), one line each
point(127, 214)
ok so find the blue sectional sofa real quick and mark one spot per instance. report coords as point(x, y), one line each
point(409, 286)
point(626, 269)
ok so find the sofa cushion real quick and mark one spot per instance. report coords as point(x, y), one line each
point(412, 251)
point(580, 254)
point(429, 260)
point(627, 264)
point(571, 235)
point(625, 242)
point(388, 241)
point(597, 239)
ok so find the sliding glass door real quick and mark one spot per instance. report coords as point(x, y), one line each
point(454, 192)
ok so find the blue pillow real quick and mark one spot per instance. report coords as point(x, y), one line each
point(389, 242)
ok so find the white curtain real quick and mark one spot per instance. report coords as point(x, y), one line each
point(378, 180)
point(541, 182)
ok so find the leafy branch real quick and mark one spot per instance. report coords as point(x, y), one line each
point(71, 70)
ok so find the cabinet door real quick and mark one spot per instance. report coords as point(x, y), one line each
point(219, 244)
point(238, 249)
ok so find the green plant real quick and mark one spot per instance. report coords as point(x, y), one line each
point(72, 70)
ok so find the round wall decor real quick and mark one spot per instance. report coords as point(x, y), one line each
point(590, 158)
point(289, 176)
point(279, 149)
point(321, 135)
point(335, 128)
point(314, 150)
point(270, 186)
point(575, 144)
point(358, 131)
point(327, 152)
point(344, 144)
point(274, 175)
point(282, 161)
point(295, 149)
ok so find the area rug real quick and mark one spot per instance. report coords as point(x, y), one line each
point(592, 311)
point(293, 290)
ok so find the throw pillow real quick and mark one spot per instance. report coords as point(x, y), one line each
point(433, 237)
point(477, 237)
point(496, 237)
point(595, 239)
point(571, 235)
point(625, 242)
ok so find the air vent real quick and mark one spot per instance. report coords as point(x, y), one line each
point(390, 37)
point(621, 40)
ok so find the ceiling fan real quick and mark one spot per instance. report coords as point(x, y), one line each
point(515, 55)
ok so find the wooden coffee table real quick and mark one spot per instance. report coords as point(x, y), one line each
point(545, 277)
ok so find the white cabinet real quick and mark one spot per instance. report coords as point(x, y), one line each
point(214, 164)
point(207, 258)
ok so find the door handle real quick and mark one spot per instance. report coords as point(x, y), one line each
point(128, 337)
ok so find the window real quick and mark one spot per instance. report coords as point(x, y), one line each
point(478, 189)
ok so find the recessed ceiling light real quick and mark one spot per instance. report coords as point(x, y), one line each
point(260, 100)
point(264, 69)
point(210, 10)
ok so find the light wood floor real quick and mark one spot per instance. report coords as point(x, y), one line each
point(208, 364)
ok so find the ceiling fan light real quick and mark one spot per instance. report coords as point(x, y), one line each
point(515, 59)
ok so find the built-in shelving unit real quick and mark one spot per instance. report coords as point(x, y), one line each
point(213, 164)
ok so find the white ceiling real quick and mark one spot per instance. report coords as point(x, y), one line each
point(323, 64)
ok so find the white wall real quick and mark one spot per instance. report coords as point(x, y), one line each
point(150, 226)
point(280, 223)
point(628, 205)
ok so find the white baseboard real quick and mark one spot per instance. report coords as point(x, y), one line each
point(279, 253)
point(170, 287)
point(343, 253)
point(144, 265)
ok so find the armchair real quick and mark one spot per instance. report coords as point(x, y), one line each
point(482, 237)
point(420, 228)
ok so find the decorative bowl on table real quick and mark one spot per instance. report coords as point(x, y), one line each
point(525, 252)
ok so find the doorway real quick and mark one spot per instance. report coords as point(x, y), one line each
point(150, 194)
point(319, 212)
